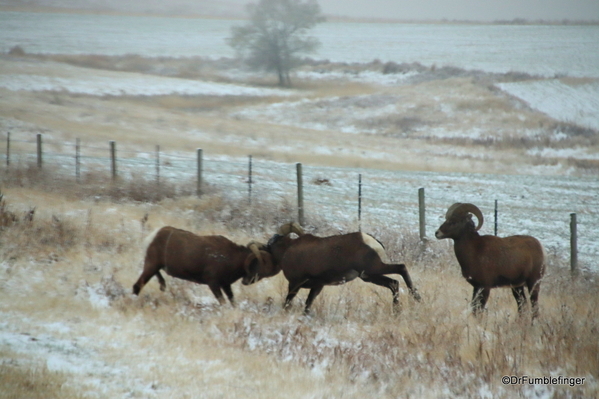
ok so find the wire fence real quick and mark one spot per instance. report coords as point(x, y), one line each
point(365, 198)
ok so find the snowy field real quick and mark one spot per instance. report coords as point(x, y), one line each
point(66, 306)
point(571, 101)
point(574, 101)
point(547, 51)
point(131, 85)
point(535, 49)
point(52, 76)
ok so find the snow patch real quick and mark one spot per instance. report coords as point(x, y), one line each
point(130, 84)
point(577, 104)
point(577, 153)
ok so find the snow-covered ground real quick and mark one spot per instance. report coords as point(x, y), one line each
point(181, 345)
point(535, 49)
point(28, 76)
point(568, 100)
point(131, 86)
point(574, 101)
point(549, 51)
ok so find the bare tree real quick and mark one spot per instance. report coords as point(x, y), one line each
point(276, 34)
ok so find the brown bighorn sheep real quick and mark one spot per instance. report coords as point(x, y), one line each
point(313, 262)
point(489, 261)
point(212, 260)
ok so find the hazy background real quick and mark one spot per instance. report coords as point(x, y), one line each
point(472, 10)
point(465, 9)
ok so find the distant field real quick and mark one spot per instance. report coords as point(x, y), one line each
point(442, 120)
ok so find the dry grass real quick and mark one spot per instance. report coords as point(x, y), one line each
point(65, 281)
point(32, 380)
point(66, 276)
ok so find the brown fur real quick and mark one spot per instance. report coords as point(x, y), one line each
point(313, 262)
point(489, 261)
point(212, 260)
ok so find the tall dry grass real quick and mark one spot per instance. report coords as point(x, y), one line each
point(67, 274)
point(34, 381)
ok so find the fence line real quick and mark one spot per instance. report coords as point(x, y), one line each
point(381, 195)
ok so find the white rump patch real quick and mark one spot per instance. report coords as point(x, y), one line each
point(544, 257)
point(148, 240)
point(374, 244)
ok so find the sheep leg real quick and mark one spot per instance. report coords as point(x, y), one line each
point(292, 292)
point(141, 281)
point(229, 292)
point(384, 281)
point(480, 295)
point(311, 296)
point(148, 272)
point(290, 295)
point(520, 298)
point(403, 271)
point(161, 281)
point(533, 290)
point(215, 288)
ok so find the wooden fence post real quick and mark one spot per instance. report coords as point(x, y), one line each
point(422, 213)
point(250, 181)
point(39, 150)
point(495, 217)
point(360, 202)
point(8, 150)
point(300, 194)
point(199, 183)
point(573, 245)
point(77, 160)
point(157, 165)
point(113, 159)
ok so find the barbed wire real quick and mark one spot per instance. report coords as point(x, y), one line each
point(387, 197)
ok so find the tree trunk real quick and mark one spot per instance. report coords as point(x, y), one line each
point(281, 75)
point(287, 78)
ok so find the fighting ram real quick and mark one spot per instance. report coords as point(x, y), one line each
point(212, 260)
point(312, 262)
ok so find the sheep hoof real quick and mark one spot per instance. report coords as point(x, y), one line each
point(416, 295)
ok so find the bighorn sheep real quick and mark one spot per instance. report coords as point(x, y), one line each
point(489, 261)
point(212, 260)
point(313, 262)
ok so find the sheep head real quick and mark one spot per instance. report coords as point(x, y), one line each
point(258, 264)
point(458, 220)
point(278, 243)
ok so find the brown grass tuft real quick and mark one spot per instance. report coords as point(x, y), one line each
point(20, 380)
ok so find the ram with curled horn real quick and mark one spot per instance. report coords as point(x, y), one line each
point(488, 261)
point(312, 262)
point(213, 260)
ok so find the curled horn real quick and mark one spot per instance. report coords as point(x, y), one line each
point(451, 210)
point(461, 209)
point(253, 246)
point(291, 227)
point(266, 267)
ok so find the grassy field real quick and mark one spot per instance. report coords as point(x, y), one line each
point(71, 328)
